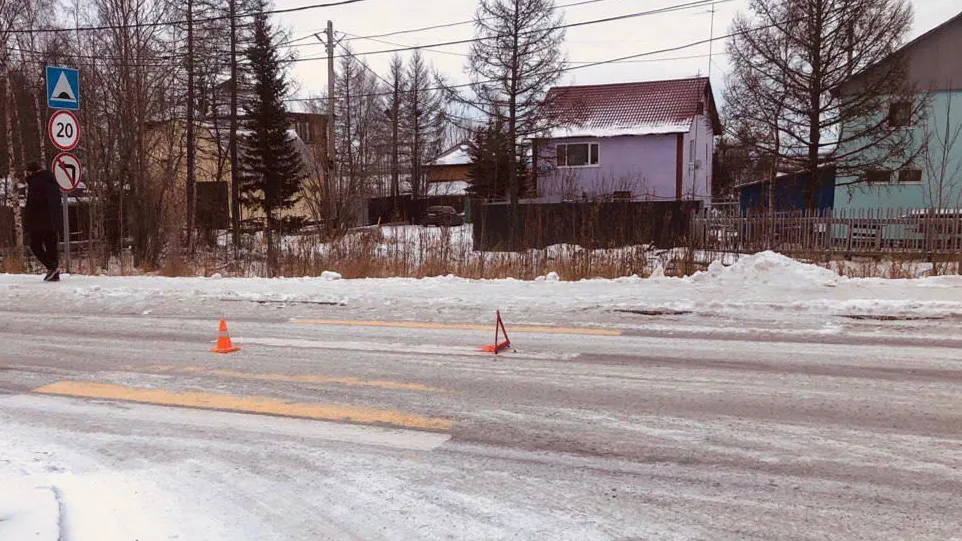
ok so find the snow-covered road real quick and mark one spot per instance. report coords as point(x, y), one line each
point(675, 409)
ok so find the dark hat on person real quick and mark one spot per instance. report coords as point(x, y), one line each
point(33, 167)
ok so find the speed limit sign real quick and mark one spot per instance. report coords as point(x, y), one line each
point(64, 130)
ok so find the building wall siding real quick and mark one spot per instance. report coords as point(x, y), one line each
point(933, 61)
point(698, 166)
point(643, 165)
point(648, 166)
point(937, 189)
point(447, 173)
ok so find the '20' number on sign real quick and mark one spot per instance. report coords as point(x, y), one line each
point(65, 130)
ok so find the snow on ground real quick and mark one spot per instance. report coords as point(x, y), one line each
point(770, 269)
point(45, 503)
point(28, 510)
point(765, 285)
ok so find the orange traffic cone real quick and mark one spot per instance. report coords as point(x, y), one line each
point(224, 344)
point(498, 329)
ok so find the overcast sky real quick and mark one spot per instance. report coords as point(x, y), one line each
point(590, 43)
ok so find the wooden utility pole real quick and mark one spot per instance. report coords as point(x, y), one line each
point(191, 148)
point(234, 176)
point(331, 148)
point(711, 41)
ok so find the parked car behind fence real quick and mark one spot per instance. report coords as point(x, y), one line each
point(442, 217)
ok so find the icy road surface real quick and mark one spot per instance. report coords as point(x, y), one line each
point(333, 422)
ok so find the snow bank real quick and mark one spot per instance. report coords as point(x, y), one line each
point(765, 285)
point(768, 268)
point(28, 511)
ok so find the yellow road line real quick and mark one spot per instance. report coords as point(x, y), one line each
point(289, 378)
point(254, 404)
point(454, 327)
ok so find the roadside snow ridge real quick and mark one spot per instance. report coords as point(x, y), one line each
point(768, 268)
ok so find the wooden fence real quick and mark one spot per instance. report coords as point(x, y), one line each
point(927, 232)
point(607, 224)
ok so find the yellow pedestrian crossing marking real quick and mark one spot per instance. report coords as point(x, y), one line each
point(252, 404)
point(456, 327)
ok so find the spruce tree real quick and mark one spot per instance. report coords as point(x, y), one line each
point(492, 159)
point(273, 167)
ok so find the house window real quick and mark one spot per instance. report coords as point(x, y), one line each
point(900, 114)
point(879, 176)
point(910, 175)
point(578, 155)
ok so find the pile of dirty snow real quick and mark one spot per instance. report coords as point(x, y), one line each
point(768, 268)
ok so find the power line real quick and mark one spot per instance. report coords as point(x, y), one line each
point(667, 9)
point(571, 62)
point(582, 65)
point(651, 60)
point(364, 64)
point(438, 51)
point(586, 65)
point(156, 24)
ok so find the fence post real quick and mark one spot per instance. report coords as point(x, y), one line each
point(829, 231)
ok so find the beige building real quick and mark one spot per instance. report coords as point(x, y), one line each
point(168, 166)
point(448, 174)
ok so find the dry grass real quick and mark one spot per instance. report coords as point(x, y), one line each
point(176, 266)
point(12, 262)
point(416, 253)
point(896, 268)
point(413, 253)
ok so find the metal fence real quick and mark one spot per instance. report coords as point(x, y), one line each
point(840, 232)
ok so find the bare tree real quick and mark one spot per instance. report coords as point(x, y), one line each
point(513, 64)
point(818, 82)
point(137, 92)
point(424, 112)
point(737, 163)
point(10, 18)
point(398, 83)
point(943, 142)
point(359, 126)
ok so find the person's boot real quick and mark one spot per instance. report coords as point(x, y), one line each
point(53, 275)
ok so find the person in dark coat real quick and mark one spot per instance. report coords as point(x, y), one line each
point(43, 217)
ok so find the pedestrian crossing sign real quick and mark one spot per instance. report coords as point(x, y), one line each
point(63, 88)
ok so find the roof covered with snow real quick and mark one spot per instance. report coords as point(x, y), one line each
point(459, 155)
point(645, 108)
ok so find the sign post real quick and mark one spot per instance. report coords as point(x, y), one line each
point(63, 94)
point(66, 169)
point(66, 231)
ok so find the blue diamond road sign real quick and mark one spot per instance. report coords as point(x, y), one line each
point(63, 88)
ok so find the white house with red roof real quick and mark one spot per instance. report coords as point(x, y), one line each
point(647, 141)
